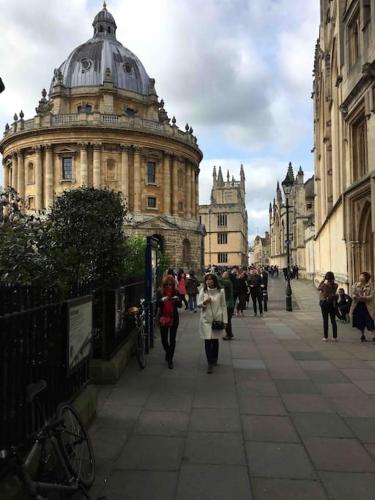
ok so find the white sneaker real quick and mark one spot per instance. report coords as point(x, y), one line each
point(324, 339)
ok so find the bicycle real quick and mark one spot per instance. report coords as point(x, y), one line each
point(138, 313)
point(61, 450)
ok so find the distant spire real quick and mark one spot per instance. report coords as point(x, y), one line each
point(300, 171)
point(104, 5)
point(220, 179)
point(278, 186)
point(228, 176)
point(270, 209)
point(290, 172)
point(214, 174)
point(242, 172)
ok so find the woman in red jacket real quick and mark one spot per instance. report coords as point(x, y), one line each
point(168, 303)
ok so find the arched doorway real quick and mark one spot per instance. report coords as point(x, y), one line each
point(160, 240)
point(365, 256)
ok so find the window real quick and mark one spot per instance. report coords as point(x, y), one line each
point(222, 220)
point(180, 179)
point(85, 108)
point(130, 112)
point(151, 172)
point(353, 35)
point(30, 174)
point(31, 203)
point(111, 170)
point(359, 136)
point(151, 202)
point(67, 168)
point(308, 206)
point(222, 258)
point(222, 238)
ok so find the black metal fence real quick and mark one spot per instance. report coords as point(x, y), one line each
point(33, 346)
point(111, 324)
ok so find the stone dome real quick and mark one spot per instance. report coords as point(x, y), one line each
point(103, 59)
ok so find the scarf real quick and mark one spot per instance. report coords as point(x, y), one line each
point(168, 304)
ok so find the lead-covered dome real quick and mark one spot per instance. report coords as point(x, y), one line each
point(88, 64)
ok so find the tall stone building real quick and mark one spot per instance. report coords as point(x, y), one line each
point(102, 125)
point(262, 250)
point(301, 223)
point(344, 122)
point(225, 221)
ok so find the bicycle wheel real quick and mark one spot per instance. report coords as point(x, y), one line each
point(140, 348)
point(76, 445)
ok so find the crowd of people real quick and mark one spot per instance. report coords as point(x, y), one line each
point(223, 293)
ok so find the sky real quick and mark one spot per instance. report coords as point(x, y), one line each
point(238, 71)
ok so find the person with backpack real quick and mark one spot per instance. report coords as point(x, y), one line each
point(328, 299)
point(192, 290)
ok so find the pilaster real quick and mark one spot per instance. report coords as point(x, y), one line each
point(124, 178)
point(137, 179)
point(188, 190)
point(14, 172)
point(20, 174)
point(83, 164)
point(175, 185)
point(96, 165)
point(38, 179)
point(167, 184)
point(49, 175)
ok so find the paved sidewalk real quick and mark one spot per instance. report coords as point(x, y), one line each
point(284, 416)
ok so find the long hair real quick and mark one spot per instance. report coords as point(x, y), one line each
point(168, 280)
point(367, 276)
point(329, 276)
point(214, 278)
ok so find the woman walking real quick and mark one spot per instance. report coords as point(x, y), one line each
point(181, 279)
point(213, 320)
point(242, 292)
point(328, 290)
point(192, 288)
point(362, 308)
point(168, 302)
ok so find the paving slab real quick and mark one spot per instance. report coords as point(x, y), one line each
point(290, 489)
point(307, 403)
point(262, 406)
point(269, 428)
point(347, 486)
point(214, 448)
point(320, 425)
point(211, 420)
point(363, 428)
point(162, 423)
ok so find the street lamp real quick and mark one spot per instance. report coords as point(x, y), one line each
point(287, 185)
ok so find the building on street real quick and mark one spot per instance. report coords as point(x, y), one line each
point(225, 221)
point(262, 250)
point(102, 125)
point(344, 149)
point(301, 224)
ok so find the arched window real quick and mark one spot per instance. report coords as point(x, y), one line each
point(101, 29)
point(180, 179)
point(85, 108)
point(111, 170)
point(108, 29)
point(186, 252)
point(30, 173)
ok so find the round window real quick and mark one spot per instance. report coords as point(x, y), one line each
point(86, 64)
point(128, 67)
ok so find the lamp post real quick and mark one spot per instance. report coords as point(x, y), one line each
point(287, 185)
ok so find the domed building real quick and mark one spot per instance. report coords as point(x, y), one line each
point(102, 125)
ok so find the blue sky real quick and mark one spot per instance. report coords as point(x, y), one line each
point(238, 71)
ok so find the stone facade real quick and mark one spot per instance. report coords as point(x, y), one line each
point(344, 150)
point(301, 223)
point(225, 221)
point(102, 125)
point(262, 250)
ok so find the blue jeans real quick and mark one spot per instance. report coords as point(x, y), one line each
point(192, 301)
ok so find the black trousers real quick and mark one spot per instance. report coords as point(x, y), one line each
point(265, 300)
point(256, 297)
point(342, 312)
point(328, 310)
point(183, 299)
point(230, 311)
point(168, 339)
point(241, 304)
point(212, 350)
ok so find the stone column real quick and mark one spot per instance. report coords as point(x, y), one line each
point(84, 165)
point(188, 190)
point(137, 179)
point(49, 176)
point(96, 166)
point(167, 184)
point(20, 174)
point(6, 175)
point(14, 182)
point(38, 179)
point(175, 185)
point(193, 193)
point(196, 193)
point(124, 178)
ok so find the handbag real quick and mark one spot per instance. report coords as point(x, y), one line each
point(216, 324)
point(165, 321)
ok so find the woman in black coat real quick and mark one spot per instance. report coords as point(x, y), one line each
point(168, 301)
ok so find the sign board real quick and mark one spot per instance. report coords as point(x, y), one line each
point(79, 325)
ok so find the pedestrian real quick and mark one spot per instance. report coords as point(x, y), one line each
point(344, 302)
point(213, 319)
point(241, 292)
point(226, 283)
point(234, 279)
point(192, 290)
point(264, 287)
point(362, 309)
point(255, 285)
point(181, 287)
point(168, 302)
point(328, 297)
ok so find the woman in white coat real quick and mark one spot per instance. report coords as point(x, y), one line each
point(211, 300)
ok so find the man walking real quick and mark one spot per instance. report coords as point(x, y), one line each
point(255, 282)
